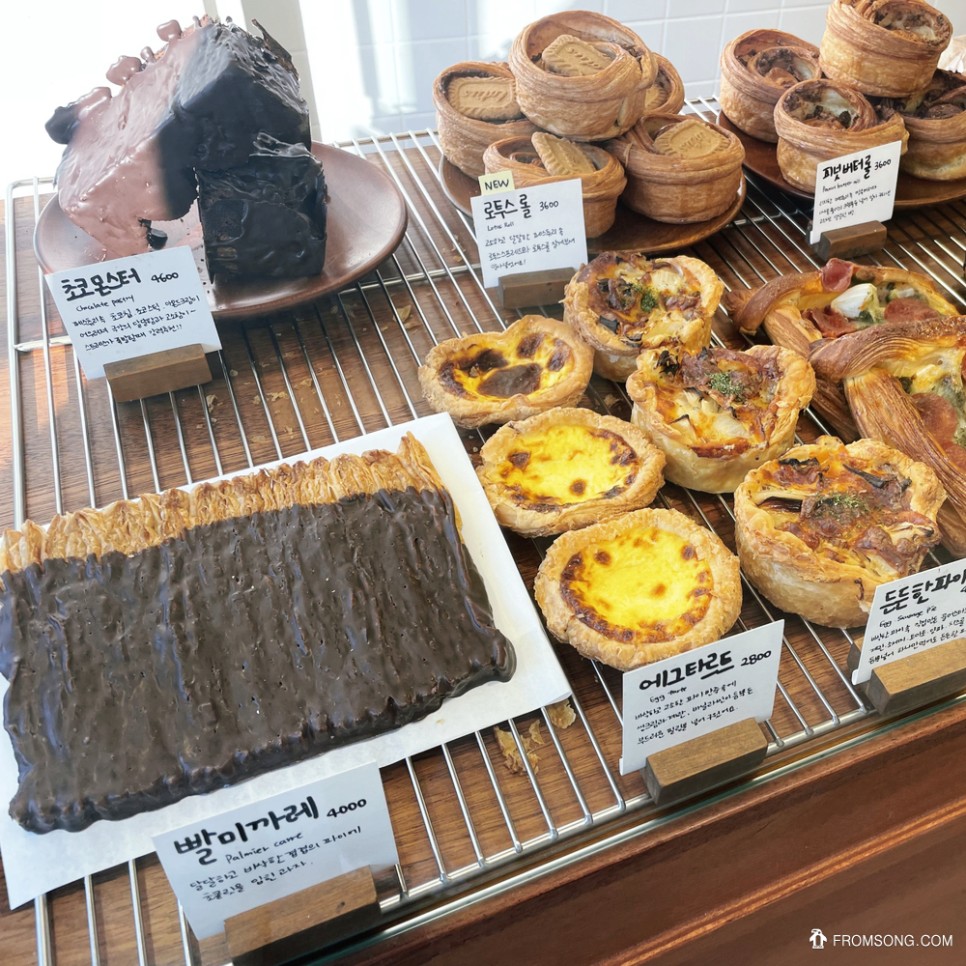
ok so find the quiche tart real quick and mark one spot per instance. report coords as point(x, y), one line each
point(817, 120)
point(639, 588)
point(904, 384)
point(887, 48)
point(622, 302)
point(493, 377)
point(820, 528)
point(756, 69)
point(718, 413)
point(567, 468)
point(843, 297)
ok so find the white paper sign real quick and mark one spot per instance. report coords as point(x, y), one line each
point(129, 307)
point(530, 230)
point(692, 694)
point(913, 614)
point(241, 859)
point(855, 188)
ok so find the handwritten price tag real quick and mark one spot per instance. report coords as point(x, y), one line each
point(129, 307)
point(855, 188)
point(913, 614)
point(530, 229)
point(700, 691)
point(270, 849)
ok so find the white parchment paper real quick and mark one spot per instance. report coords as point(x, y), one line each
point(34, 864)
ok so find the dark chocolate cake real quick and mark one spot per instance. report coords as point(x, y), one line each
point(202, 639)
point(266, 217)
point(198, 103)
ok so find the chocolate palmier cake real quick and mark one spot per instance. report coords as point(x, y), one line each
point(175, 644)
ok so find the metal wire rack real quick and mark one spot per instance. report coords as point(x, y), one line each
point(340, 368)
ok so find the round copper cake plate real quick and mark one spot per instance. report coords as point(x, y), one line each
point(365, 223)
point(761, 159)
point(630, 231)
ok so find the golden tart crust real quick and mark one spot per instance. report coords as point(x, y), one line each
point(621, 303)
point(493, 377)
point(719, 413)
point(819, 529)
point(797, 310)
point(567, 468)
point(904, 384)
point(639, 588)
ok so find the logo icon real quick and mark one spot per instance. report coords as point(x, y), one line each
point(817, 939)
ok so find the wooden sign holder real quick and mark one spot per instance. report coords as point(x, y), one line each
point(853, 240)
point(534, 288)
point(158, 372)
point(305, 921)
point(702, 763)
point(917, 680)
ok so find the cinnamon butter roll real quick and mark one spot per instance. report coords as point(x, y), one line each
point(756, 69)
point(888, 48)
point(936, 121)
point(817, 120)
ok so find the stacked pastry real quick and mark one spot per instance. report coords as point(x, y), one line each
point(586, 80)
point(873, 80)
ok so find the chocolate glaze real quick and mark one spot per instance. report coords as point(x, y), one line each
point(240, 647)
point(267, 217)
point(200, 102)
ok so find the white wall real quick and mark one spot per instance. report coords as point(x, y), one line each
point(369, 63)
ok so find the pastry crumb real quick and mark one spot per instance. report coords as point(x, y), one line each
point(511, 751)
point(211, 400)
point(561, 714)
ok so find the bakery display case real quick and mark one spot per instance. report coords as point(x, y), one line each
point(522, 841)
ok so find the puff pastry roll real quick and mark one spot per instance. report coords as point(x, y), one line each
point(887, 48)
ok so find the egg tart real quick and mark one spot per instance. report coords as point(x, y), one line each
point(817, 120)
point(843, 297)
point(567, 468)
point(638, 588)
point(493, 377)
point(622, 302)
point(820, 528)
point(904, 384)
point(476, 104)
point(581, 75)
point(756, 69)
point(888, 48)
point(718, 413)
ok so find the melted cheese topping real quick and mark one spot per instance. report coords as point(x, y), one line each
point(848, 510)
point(644, 586)
point(565, 465)
point(635, 294)
point(498, 368)
point(729, 409)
